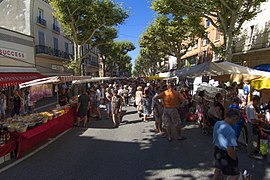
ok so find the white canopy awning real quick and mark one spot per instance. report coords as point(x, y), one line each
point(224, 71)
point(53, 80)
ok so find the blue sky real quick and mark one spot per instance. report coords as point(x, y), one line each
point(140, 15)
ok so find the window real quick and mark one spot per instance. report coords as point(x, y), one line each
point(40, 13)
point(217, 35)
point(55, 43)
point(196, 44)
point(41, 38)
point(207, 23)
point(204, 55)
point(55, 22)
point(66, 48)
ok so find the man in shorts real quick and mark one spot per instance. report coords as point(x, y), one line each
point(82, 108)
point(171, 101)
point(225, 141)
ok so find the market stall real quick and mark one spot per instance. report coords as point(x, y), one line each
point(263, 85)
point(27, 132)
point(224, 72)
point(31, 138)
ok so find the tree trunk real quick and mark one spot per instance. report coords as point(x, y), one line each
point(228, 47)
point(179, 61)
point(103, 68)
point(77, 62)
point(77, 59)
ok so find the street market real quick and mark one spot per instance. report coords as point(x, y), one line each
point(118, 89)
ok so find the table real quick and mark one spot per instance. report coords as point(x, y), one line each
point(7, 148)
point(40, 134)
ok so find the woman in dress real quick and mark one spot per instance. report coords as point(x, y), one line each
point(146, 102)
point(116, 104)
point(138, 100)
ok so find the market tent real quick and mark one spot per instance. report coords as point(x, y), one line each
point(53, 80)
point(260, 84)
point(224, 71)
point(15, 78)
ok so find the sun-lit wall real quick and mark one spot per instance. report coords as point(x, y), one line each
point(15, 15)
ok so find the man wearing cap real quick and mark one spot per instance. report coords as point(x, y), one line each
point(171, 101)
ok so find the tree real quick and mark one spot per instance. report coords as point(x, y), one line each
point(172, 35)
point(90, 22)
point(226, 15)
point(115, 55)
point(141, 67)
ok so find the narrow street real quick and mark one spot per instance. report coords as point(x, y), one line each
point(132, 151)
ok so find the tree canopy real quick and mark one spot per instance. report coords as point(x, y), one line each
point(169, 36)
point(115, 55)
point(90, 22)
point(226, 15)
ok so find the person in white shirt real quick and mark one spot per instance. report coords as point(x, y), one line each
point(252, 128)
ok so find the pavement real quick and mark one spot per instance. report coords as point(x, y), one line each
point(132, 151)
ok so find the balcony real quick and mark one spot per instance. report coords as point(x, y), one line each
point(41, 21)
point(52, 52)
point(56, 28)
point(88, 62)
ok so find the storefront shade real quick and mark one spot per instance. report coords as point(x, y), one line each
point(13, 79)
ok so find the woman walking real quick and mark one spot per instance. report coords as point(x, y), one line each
point(138, 100)
point(116, 104)
point(146, 102)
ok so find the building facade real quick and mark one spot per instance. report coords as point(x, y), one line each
point(17, 58)
point(52, 49)
point(252, 47)
point(202, 50)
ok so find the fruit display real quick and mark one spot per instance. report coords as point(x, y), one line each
point(23, 123)
point(4, 136)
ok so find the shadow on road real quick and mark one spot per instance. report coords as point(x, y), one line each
point(131, 152)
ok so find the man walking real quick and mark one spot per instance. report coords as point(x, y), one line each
point(225, 141)
point(171, 101)
point(252, 128)
point(82, 108)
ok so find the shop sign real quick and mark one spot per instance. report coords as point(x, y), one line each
point(58, 68)
point(12, 53)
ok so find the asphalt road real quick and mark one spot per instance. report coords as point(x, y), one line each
point(133, 151)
